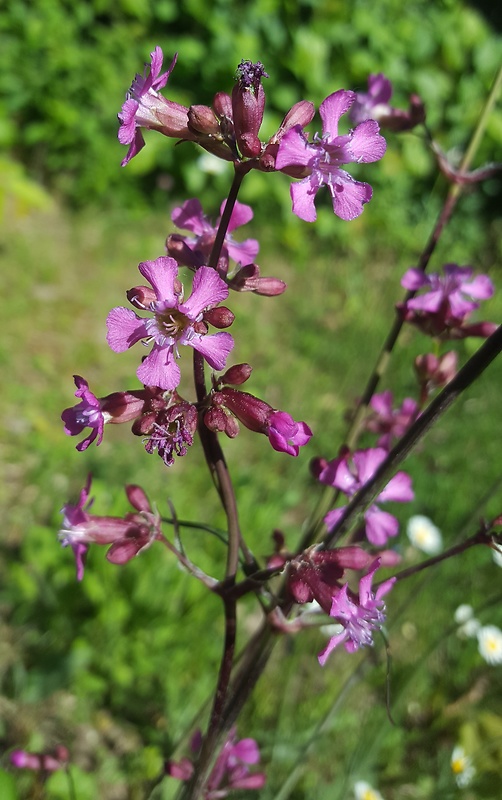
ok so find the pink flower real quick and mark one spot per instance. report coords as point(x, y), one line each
point(349, 474)
point(359, 617)
point(175, 321)
point(231, 769)
point(284, 433)
point(94, 413)
point(40, 762)
point(322, 159)
point(190, 217)
point(374, 104)
point(447, 301)
point(128, 536)
point(316, 574)
point(391, 423)
point(146, 108)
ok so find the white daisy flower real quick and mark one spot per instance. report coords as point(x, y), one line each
point(497, 556)
point(363, 791)
point(490, 644)
point(461, 766)
point(424, 535)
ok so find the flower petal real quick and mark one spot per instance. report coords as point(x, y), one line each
point(160, 369)
point(332, 108)
point(208, 289)
point(162, 273)
point(215, 347)
point(125, 328)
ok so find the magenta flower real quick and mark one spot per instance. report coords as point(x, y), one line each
point(190, 217)
point(175, 322)
point(391, 423)
point(94, 413)
point(349, 474)
point(374, 104)
point(316, 574)
point(322, 159)
point(86, 414)
point(146, 108)
point(231, 769)
point(359, 617)
point(284, 433)
point(40, 762)
point(447, 301)
point(128, 535)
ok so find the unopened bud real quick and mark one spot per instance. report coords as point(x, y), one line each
point(202, 119)
point(141, 296)
point(220, 317)
point(236, 375)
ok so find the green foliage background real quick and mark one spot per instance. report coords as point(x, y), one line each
point(118, 666)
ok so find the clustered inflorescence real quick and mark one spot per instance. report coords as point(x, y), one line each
point(180, 304)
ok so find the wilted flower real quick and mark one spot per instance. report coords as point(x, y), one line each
point(359, 616)
point(424, 535)
point(461, 766)
point(490, 644)
point(175, 321)
point(349, 474)
point(321, 160)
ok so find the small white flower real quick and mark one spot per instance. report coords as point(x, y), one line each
point(469, 630)
point(424, 535)
point(463, 613)
point(490, 644)
point(363, 791)
point(461, 766)
point(497, 556)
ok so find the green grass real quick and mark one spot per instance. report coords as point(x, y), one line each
point(119, 665)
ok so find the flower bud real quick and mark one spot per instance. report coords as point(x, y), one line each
point(220, 317)
point(248, 105)
point(236, 375)
point(141, 296)
point(202, 119)
point(248, 279)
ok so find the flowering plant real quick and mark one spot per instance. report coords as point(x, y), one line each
point(335, 568)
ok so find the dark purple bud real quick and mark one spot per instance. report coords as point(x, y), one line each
point(248, 105)
point(236, 375)
point(141, 296)
point(202, 119)
point(215, 419)
point(220, 317)
point(222, 105)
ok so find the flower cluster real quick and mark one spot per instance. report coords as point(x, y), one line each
point(128, 535)
point(349, 473)
point(231, 769)
point(447, 301)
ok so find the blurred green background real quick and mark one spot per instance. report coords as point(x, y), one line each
point(118, 666)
